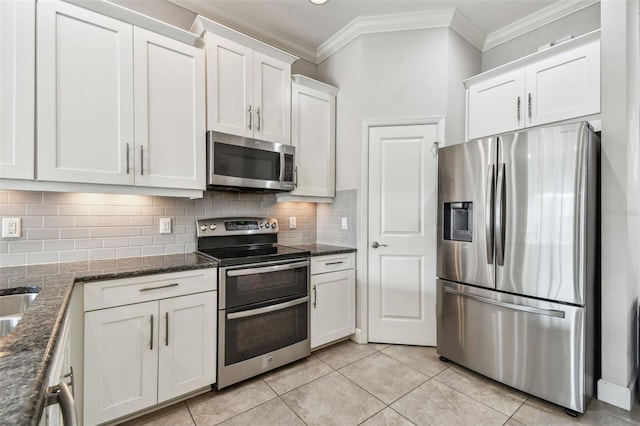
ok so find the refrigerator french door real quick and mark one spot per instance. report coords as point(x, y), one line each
point(516, 258)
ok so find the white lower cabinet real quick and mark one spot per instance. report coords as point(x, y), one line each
point(142, 354)
point(333, 288)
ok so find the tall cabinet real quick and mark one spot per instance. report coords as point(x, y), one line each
point(17, 88)
point(313, 134)
point(117, 104)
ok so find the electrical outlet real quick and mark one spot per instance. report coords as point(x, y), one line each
point(292, 222)
point(11, 227)
point(345, 226)
point(165, 225)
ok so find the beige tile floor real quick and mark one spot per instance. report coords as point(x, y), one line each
point(350, 384)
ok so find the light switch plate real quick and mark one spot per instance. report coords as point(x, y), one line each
point(292, 222)
point(165, 225)
point(345, 225)
point(11, 227)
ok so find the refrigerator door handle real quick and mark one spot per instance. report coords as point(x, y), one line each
point(522, 308)
point(500, 216)
point(488, 212)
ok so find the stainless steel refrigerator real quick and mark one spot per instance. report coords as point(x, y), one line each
point(516, 260)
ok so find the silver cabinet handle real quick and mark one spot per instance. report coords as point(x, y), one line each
point(529, 106)
point(258, 112)
point(166, 331)
point(518, 108)
point(334, 263)
point(159, 287)
point(514, 307)
point(295, 182)
point(488, 212)
point(375, 244)
point(127, 158)
point(151, 339)
point(276, 268)
point(315, 297)
point(250, 118)
point(60, 394)
point(267, 309)
point(500, 219)
point(141, 160)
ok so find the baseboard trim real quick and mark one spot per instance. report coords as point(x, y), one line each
point(620, 396)
point(358, 337)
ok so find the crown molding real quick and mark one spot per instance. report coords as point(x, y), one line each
point(468, 30)
point(388, 23)
point(251, 28)
point(534, 21)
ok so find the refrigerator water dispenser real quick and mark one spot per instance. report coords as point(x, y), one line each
point(458, 221)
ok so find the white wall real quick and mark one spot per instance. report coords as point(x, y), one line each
point(620, 80)
point(581, 22)
point(396, 75)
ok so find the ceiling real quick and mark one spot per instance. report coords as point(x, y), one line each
point(303, 28)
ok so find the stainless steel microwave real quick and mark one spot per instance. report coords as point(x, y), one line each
point(243, 164)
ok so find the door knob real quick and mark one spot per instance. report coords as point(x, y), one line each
point(375, 244)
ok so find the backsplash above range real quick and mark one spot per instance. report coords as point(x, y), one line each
point(69, 227)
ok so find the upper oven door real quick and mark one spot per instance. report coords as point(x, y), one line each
point(249, 284)
point(239, 162)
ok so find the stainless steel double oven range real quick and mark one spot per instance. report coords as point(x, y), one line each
point(263, 296)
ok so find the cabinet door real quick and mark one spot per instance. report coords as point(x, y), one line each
point(313, 136)
point(564, 86)
point(169, 110)
point(17, 85)
point(496, 105)
point(187, 359)
point(272, 99)
point(229, 87)
point(333, 313)
point(85, 95)
point(120, 361)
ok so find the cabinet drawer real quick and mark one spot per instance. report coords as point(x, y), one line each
point(106, 294)
point(337, 262)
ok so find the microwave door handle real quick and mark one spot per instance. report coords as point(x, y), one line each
point(281, 178)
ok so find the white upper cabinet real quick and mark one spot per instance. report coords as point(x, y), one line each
point(496, 105)
point(248, 92)
point(17, 68)
point(117, 104)
point(556, 84)
point(169, 112)
point(314, 137)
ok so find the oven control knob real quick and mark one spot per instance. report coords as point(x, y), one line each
point(267, 225)
point(212, 226)
point(274, 225)
point(203, 227)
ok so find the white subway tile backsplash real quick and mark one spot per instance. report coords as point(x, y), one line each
point(78, 227)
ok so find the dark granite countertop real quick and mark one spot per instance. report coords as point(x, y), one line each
point(25, 353)
point(325, 250)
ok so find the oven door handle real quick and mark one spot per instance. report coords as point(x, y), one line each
point(275, 268)
point(267, 309)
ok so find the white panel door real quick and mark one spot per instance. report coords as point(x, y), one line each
point(187, 359)
point(17, 88)
point(120, 361)
point(272, 99)
point(564, 86)
point(333, 313)
point(169, 110)
point(402, 223)
point(313, 136)
point(496, 105)
point(229, 87)
point(85, 95)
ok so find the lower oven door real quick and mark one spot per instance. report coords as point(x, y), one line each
point(261, 337)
